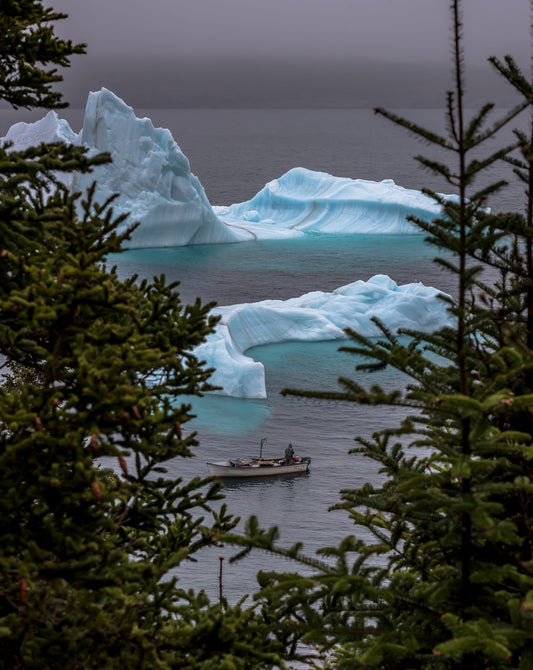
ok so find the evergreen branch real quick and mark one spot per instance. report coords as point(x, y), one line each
point(415, 129)
point(450, 116)
point(510, 71)
point(480, 197)
point(476, 166)
point(438, 168)
point(471, 132)
point(502, 123)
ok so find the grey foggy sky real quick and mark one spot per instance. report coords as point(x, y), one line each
point(286, 52)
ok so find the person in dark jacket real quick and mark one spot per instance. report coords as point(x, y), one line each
point(289, 453)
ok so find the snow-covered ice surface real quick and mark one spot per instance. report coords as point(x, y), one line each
point(305, 201)
point(312, 317)
point(48, 129)
point(155, 183)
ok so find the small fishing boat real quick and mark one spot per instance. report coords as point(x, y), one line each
point(260, 467)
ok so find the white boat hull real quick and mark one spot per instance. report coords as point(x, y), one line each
point(227, 469)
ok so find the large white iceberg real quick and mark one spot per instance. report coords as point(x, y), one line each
point(152, 176)
point(153, 179)
point(305, 201)
point(48, 129)
point(312, 317)
point(149, 172)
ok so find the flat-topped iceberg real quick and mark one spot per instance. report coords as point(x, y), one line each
point(312, 317)
point(305, 201)
point(155, 184)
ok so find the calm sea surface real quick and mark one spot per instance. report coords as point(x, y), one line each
point(234, 153)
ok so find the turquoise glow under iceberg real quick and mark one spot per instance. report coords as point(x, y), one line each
point(312, 317)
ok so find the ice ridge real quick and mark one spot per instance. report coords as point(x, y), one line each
point(313, 316)
point(306, 201)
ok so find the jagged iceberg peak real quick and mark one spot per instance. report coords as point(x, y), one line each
point(152, 176)
point(48, 129)
point(149, 172)
point(305, 201)
point(311, 317)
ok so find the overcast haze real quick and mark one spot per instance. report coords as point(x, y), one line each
point(323, 53)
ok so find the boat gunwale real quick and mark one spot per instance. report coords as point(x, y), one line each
point(260, 468)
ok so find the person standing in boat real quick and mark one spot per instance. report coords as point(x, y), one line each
point(289, 453)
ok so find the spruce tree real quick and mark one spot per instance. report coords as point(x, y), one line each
point(93, 527)
point(447, 581)
point(28, 46)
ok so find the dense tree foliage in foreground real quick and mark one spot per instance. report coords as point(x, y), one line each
point(446, 582)
point(92, 528)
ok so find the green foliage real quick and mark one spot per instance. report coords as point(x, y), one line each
point(93, 527)
point(87, 552)
point(28, 45)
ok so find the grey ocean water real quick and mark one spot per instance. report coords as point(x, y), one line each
point(234, 153)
